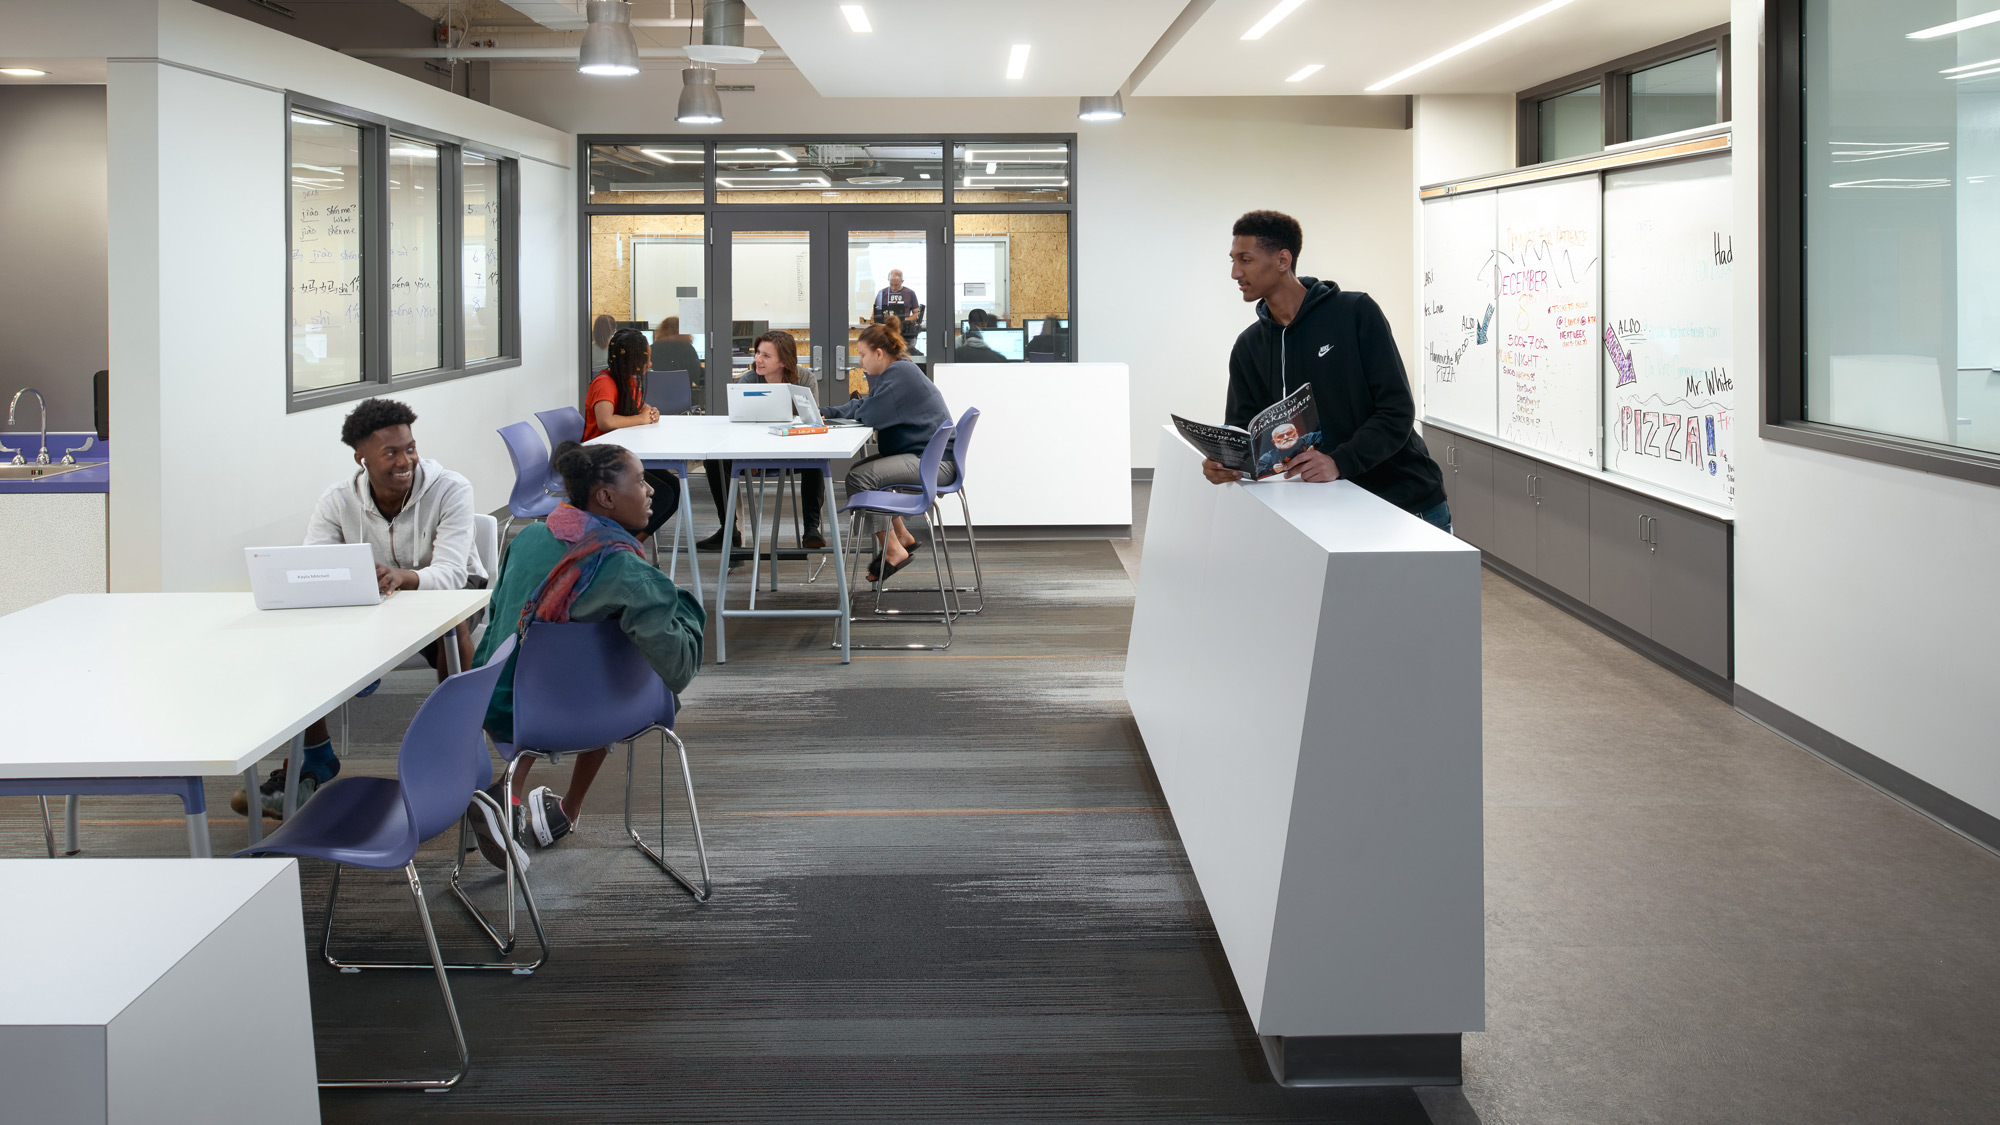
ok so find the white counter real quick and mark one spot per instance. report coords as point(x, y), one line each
point(1053, 447)
point(1305, 671)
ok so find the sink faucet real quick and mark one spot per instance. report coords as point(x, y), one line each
point(43, 459)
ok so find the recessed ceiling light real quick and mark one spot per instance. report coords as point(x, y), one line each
point(1306, 72)
point(1017, 61)
point(1453, 52)
point(1956, 26)
point(23, 72)
point(923, 175)
point(857, 20)
point(1271, 18)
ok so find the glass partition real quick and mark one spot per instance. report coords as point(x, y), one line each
point(1673, 96)
point(650, 272)
point(666, 172)
point(480, 277)
point(992, 172)
point(1010, 288)
point(416, 275)
point(1572, 124)
point(873, 172)
point(326, 178)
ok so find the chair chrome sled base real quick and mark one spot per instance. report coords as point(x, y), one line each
point(702, 892)
point(944, 615)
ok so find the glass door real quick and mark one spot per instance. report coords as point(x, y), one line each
point(769, 276)
point(886, 262)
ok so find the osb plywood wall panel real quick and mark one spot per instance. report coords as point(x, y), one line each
point(1037, 261)
point(611, 256)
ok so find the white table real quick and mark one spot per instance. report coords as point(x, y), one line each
point(116, 686)
point(114, 1006)
point(1304, 668)
point(677, 439)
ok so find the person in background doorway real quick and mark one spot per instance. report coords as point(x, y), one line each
point(673, 350)
point(615, 401)
point(600, 339)
point(972, 345)
point(776, 360)
point(416, 515)
point(582, 564)
point(898, 300)
point(905, 409)
point(1310, 331)
point(1052, 339)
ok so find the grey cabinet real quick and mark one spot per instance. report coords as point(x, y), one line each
point(1662, 572)
point(1562, 531)
point(1468, 485)
point(1514, 509)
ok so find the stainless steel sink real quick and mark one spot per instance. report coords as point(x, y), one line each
point(36, 472)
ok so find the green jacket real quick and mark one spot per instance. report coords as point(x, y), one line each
point(664, 621)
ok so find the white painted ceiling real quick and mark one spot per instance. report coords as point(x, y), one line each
point(1361, 42)
point(959, 48)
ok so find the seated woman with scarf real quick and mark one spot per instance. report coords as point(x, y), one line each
point(582, 564)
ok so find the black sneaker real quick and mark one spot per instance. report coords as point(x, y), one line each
point(546, 817)
point(487, 833)
point(714, 542)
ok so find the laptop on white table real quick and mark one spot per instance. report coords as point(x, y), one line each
point(312, 577)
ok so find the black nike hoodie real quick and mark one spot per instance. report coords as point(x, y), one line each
point(1340, 342)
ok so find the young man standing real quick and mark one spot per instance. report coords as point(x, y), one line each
point(417, 515)
point(1310, 331)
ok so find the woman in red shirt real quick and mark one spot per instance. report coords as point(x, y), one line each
point(614, 402)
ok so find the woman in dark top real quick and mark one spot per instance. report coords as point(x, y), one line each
point(673, 351)
point(904, 409)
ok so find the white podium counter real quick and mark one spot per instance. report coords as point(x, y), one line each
point(1305, 670)
point(1053, 448)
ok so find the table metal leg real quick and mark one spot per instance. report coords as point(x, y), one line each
point(48, 826)
point(722, 574)
point(296, 759)
point(256, 805)
point(839, 568)
point(452, 661)
point(684, 533)
point(197, 825)
point(69, 825)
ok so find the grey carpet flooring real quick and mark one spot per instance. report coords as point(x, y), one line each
point(946, 890)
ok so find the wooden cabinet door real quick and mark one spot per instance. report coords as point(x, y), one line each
point(1562, 531)
point(1514, 510)
point(1691, 586)
point(1621, 558)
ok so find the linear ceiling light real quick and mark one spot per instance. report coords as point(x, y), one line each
point(1271, 18)
point(857, 19)
point(1017, 62)
point(1956, 26)
point(1973, 74)
point(1452, 52)
point(23, 72)
point(1306, 72)
point(608, 46)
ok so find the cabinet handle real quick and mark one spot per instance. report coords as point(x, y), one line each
point(1448, 451)
point(1642, 529)
point(1653, 532)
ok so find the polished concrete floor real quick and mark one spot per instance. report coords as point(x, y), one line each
point(1690, 919)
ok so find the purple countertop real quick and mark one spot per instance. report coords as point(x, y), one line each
point(95, 478)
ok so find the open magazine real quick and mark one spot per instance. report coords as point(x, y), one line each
point(1278, 433)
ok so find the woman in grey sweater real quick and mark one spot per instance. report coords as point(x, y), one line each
point(904, 409)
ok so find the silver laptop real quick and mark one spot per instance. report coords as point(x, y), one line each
point(808, 410)
point(760, 402)
point(311, 577)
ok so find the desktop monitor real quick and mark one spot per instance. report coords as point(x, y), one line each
point(1012, 343)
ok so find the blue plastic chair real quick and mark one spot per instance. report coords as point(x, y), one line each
point(564, 423)
point(583, 686)
point(378, 823)
point(909, 505)
point(531, 498)
point(961, 444)
point(671, 391)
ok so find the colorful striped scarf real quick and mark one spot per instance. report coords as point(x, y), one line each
point(592, 539)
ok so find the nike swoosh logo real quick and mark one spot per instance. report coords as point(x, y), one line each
point(1325, 348)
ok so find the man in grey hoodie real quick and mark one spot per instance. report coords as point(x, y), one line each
point(417, 515)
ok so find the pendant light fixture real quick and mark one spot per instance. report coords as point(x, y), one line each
point(1093, 108)
point(700, 103)
point(608, 46)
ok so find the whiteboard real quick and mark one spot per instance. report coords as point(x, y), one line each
point(1669, 401)
point(1548, 317)
point(1460, 352)
point(661, 268)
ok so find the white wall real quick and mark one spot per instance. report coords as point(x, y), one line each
point(1156, 194)
point(208, 462)
point(1865, 599)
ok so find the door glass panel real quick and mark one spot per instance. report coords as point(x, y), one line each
point(1010, 292)
point(770, 290)
point(887, 275)
point(648, 272)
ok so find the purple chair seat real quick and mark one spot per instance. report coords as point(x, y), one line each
point(358, 821)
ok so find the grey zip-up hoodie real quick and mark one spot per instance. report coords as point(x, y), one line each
point(432, 535)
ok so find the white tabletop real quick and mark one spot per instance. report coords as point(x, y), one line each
point(682, 437)
point(141, 685)
point(99, 932)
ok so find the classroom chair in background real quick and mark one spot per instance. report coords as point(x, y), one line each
point(671, 391)
point(564, 423)
point(531, 498)
point(378, 823)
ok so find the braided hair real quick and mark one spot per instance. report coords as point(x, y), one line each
point(625, 358)
point(584, 467)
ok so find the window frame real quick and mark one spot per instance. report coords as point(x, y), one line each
point(1781, 279)
point(1615, 77)
point(377, 361)
point(949, 209)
